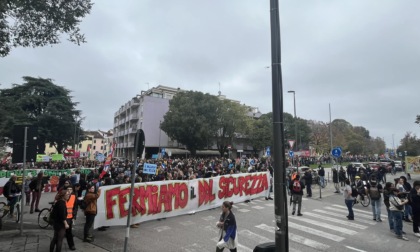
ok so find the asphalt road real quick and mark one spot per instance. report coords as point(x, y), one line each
point(323, 227)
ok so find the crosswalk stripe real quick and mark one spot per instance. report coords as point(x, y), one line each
point(346, 211)
point(360, 211)
point(330, 213)
point(297, 238)
point(240, 247)
point(325, 225)
point(344, 222)
point(316, 232)
point(246, 234)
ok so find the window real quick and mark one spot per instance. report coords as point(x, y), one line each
point(102, 141)
point(94, 147)
point(102, 147)
point(94, 141)
point(80, 146)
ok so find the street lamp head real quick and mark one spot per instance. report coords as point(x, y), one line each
point(290, 91)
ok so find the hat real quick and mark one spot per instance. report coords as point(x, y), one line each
point(357, 177)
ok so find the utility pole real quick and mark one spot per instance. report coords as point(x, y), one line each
point(280, 201)
point(331, 142)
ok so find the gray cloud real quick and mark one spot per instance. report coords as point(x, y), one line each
point(362, 57)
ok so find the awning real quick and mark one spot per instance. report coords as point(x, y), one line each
point(176, 151)
point(208, 153)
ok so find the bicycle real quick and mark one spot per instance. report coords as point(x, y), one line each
point(365, 200)
point(44, 216)
point(5, 208)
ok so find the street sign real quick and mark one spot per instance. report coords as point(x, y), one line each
point(291, 153)
point(291, 143)
point(267, 151)
point(336, 152)
point(162, 151)
point(229, 147)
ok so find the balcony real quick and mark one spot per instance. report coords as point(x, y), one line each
point(135, 103)
point(132, 131)
point(134, 117)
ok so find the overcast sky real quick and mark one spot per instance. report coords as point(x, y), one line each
point(361, 56)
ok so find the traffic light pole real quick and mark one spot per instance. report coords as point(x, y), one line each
point(25, 138)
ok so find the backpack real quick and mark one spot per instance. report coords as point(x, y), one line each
point(82, 204)
point(374, 193)
point(296, 186)
point(354, 192)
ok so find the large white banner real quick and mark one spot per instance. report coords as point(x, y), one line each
point(155, 200)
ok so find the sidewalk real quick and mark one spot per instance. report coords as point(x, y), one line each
point(37, 240)
point(33, 237)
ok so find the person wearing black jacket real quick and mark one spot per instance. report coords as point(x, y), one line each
point(296, 189)
point(308, 182)
point(60, 224)
point(321, 174)
point(414, 198)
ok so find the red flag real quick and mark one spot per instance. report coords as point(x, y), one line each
point(108, 161)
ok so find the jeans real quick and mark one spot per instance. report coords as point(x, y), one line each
point(398, 225)
point(309, 189)
point(321, 180)
point(376, 208)
point(349, 204)
point(297, 199)
point(407, 211)
point(390, 219)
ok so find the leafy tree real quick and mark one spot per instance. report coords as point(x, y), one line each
point(260, 132)
point(41, 103)
point(231, 120)
point(192, 119)
point(40, 22)
point(319, 136)
point(411, 144)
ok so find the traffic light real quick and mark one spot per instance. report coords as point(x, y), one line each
point(139, 142)
point(18, 143)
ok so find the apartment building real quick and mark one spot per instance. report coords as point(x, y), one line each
point(145, 111)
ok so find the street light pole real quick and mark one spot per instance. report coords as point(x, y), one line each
point(294, 107)
point(280, 201)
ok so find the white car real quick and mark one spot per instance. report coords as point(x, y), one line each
point(398, 166)
point(357, 165)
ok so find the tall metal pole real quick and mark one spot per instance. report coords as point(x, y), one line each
point(280, 201)
point(25, 139)
point(331, 141)
point(133, 177)
point(160, 122)
point(296, 138)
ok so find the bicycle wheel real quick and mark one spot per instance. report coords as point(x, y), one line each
point(2, 211)
point(43, 218)
point(366, 201)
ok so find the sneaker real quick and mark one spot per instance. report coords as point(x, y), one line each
point(270, 198)
point(402, 238)
point(293, 213)
point(417, 234)
point(299, 214)
point(379, 220)
point(402, 232)
point(374, 219)
point(37, 210)
point(266, 198)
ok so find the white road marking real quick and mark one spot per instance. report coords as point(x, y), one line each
point(240, 247)
point(270, 205)
point(316, 232)
point(330, 213)
point(243, 210)
point(187, 223)
point(357, 215)
point(209, 218)
point(248, 235)
point(325, 225)
point(297, 238)
point(258, 207)
point(355, 249)
point(344, 222)
point(162, 228)
point(362, 211)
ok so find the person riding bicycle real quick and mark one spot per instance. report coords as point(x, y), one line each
point(360, 187)
point(9, 191)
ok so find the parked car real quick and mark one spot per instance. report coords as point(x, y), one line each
point(398, 166)
point(373, 165)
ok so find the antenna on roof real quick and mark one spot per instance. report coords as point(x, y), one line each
point(219, 89)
